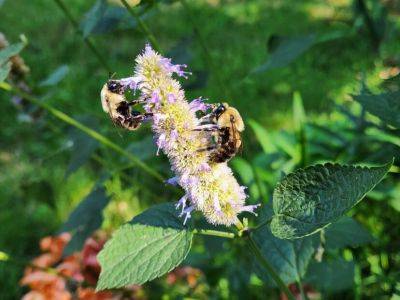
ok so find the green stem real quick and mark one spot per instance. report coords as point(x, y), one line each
point(143, 26)
point(264, 262)
point(207, 55)
point(300, 285)
point(94, 134)
point(87, 41)
point(223, 234)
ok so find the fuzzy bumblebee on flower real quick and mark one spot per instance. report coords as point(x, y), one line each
point(197, 147)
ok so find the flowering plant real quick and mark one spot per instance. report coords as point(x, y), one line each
point(158, 240)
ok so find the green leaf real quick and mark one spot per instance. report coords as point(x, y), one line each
point(331, 276)
point(288, 49)
point(92, 17)
point(263, 137)
point(289, 259)
point(385, 106)
point(4, 71)
point(55, 77)
point(83, 146)
point(346, 232)
point(10, 51)
point(85, 219)
point(309, 199)
point(152, 244)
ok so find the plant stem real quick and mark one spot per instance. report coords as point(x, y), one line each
point(300, 285)
point(264, 262)
point(87, 41)
point(207, 55)
point(143, 26)
point(92, 133)
point(223, 234)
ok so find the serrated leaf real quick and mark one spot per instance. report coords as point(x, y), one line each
point(152, 244)
point(311, 198)
point(55, 77)
point(4, 71)
point(346, 232)
point(289, 259)
point(85, 219)
point(10, 51)
point(331, 276)
point(288, 49)
point(385, 106)
point(92, 17)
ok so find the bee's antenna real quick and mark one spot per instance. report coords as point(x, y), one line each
point(111, 75)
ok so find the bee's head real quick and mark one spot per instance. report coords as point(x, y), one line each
point(114, 86)
point(221, 108)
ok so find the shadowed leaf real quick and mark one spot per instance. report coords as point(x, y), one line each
point(85, 219)
point(385, 106)
point(92, 17)
point(290, 259)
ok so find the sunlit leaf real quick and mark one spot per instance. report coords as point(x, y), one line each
point(85, 219)
point(55, 77)
point(152, 244)
point(311, 198)
point(10, 51)
point(4, 71)
point(385, 106)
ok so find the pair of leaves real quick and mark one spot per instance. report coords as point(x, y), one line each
point(85, 219)
point(152, 244)
point(309, 199)
point(385, 106)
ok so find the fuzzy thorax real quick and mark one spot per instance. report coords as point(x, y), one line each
point(210, 188)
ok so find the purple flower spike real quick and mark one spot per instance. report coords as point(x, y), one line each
point(161, 143)
point(171, 98)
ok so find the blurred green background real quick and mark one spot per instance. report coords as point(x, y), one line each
point(273, 60)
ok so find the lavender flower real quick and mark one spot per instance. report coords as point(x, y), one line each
point(210, 188)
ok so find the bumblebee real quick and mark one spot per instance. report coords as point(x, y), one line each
point(226, 124)
point(119, 109)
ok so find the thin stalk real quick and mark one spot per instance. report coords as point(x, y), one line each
point(264, 262)
point(87, 41)
point(223, 234)
point(300, 285)
point(207, 55)
point(245, 232)
point(92, 133)
point(146, 31)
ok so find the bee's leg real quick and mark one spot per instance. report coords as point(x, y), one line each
point(209, 148)
point(206, 127)
point(136, 102)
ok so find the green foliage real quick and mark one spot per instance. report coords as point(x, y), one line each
point(331, 276)
point(290, 259)
point(309, 199)
point(346, 232)
point(152, 244)
point(385, 106)
point(5, 55)
point(92, 17)
point(55, 77)
point(85, 219)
